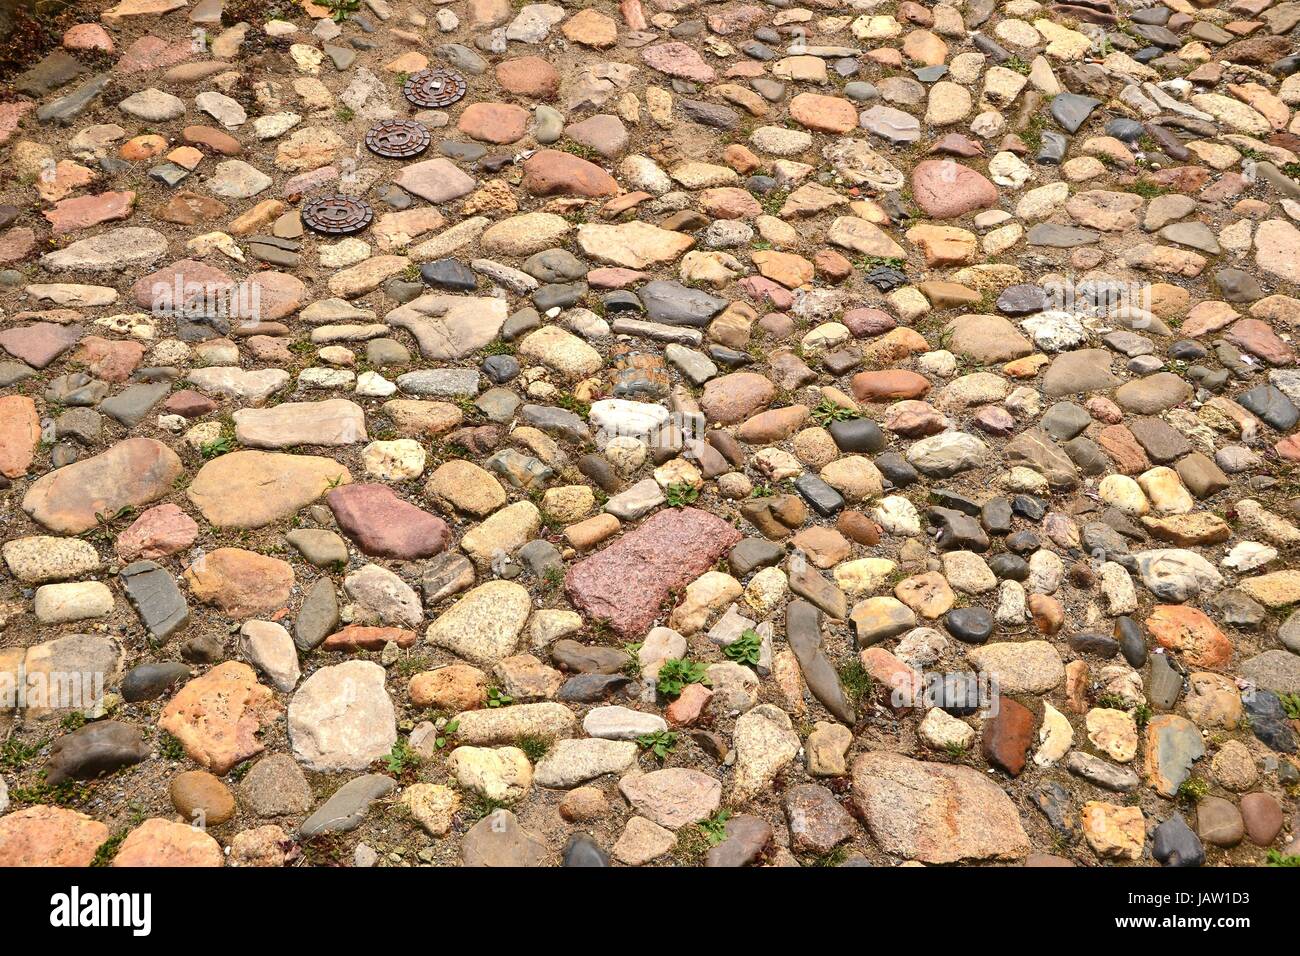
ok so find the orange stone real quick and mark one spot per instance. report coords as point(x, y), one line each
point(1189, 631)
point(357, 637)
point(161, 842)
point(142, 147)
point(494, 122)
point(217, 717)
point(20, 430)
point(889, 384)
point(49, 836)
point(827, 114)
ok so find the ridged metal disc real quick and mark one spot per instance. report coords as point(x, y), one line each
point(434, 88)
point(337, 215)
point(397, 139)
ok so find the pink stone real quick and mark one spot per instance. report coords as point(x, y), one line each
point(1104, 410)
point(358, 637)
point(614, 278)
point(386, 526)
point(628, 582)
point(494, 122)
point(266, 296)
point(946, 190)
point(154, 53)
point(109, 359)
point(1289, 448)
point(182, 283)
point(686, 708)
point(995, 420)
point(1259, 339)
point(679, 60)
point(17, 244)
point(40, 344)
point(765, 290)
point(868, 322)
point(10, 115)
point(86, 211)
point(188, 404)
point(309, 182)
point(157, 533)
point(88, 36)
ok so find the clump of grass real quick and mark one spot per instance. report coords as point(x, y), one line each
point(553, 578)
point(534, 746)
point(1142, 715)
point(479, 806)
point(1192, 791)
point(1146, 188)
point(16, 755)
point(581, 150)
point(108, 849)
point(340, 10)
point(715, 827)
point(573, 404)
point(70, 793)
point(217, 447)
point(833, 858)
point(169, 748)
point(856, 681)
point(692, 845)
point(773, 200)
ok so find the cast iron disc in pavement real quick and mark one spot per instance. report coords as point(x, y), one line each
point(336, 215)
point(397, 139)
point(434, 88)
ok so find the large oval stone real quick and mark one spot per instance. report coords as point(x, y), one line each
point(131, 473)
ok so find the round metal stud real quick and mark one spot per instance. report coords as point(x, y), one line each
point(336, 215)
point(429, 89)
point(397, 139)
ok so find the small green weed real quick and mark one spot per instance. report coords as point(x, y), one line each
point(659, 743)
point(745, 649)
point(675, 673)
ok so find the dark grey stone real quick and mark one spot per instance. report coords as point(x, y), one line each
point(96, 749)
point(153, 593)
point(1173, 843)
point(345, 810)
point(675, 304)
point(318, 617)
point(857, 435)
point(803, 631)
point(151, 681)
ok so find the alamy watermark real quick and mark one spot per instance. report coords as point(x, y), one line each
point(206, 300)
point(52, 690)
